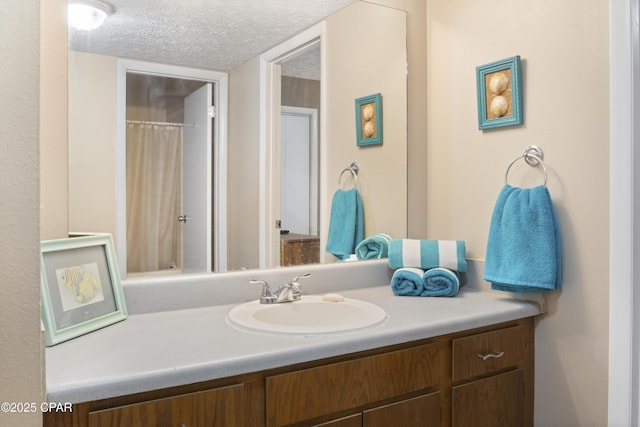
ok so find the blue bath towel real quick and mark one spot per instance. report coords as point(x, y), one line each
point(346, 225)
point(440, 282)
point(374, 247)
point(427, 254)
point(407, 282)
point(524, 250)
point(435, 282)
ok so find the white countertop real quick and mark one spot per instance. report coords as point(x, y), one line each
point(156, 350)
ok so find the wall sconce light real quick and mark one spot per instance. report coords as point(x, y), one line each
point(87, 14)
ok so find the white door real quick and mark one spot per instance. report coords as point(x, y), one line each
point(298, 170)
point(197, 149)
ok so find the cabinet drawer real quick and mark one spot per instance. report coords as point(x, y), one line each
point(311, 393)
point(220, 407)
point(489, 352)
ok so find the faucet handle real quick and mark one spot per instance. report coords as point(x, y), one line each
point(266, 290)
point(297, 278)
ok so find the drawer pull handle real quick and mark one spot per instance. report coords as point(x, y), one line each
point(495, 355)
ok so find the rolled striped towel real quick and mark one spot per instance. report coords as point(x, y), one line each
point(374, 247)
point(440, 282)
point(426, 254)
point(407, 282)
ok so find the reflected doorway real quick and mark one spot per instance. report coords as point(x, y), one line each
point(163, 100)
point(169, 142)
point(300, 93)
point(299, 238)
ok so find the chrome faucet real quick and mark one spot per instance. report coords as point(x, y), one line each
point(292, 291)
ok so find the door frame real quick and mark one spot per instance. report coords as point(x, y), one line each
point(312, 114)
point(270, 84)
point(624, 231)
point(220, 99)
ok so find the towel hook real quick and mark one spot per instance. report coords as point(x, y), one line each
point(354, 167)
point(533, 155)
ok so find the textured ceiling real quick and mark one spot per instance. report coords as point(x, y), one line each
point(211, 34)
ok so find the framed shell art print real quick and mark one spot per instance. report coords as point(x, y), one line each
point(369, 120)
point(80, 286)
point(499, 86)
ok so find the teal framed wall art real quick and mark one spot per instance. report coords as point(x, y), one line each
point(369, 120)
point(499, 88)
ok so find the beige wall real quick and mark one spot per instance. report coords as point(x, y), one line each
point(243, 173)
point(92, 141)
point(21, 349)
point(298, 92)
point(53, 125)
point(564, 50)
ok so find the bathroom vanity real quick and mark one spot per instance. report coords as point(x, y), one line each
point(459, 361)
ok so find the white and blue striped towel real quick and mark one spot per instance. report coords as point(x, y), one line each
point(428, 254)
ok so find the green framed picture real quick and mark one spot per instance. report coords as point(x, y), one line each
point(80, 285)
point(499, 87)
point(369, 120)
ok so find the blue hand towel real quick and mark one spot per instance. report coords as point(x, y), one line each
point(440, 282)
point(407, 281)
point(428, 254)
point(346, 224)
point(374, 247)
point(524, 250)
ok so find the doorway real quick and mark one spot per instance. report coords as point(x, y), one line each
point(299, 170)
point(299, 238)
point(176, 116)
point(273, 64)
point(168, 164)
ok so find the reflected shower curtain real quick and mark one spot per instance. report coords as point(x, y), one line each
point(154, 188)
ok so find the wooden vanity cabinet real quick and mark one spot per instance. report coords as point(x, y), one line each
point(418, 411)
point(482, 377)
point(211, 404)
point(361, 385)
point(218, 407)
point(493, 378)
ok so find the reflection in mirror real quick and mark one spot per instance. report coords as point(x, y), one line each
point(154, 140)
point(349, 71)
point(153, 103)
point(95, 204)
point(299, 158)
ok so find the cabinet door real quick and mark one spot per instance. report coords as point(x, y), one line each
point(422, 411)
point(350, 421)
point(221, 407)
point(345, 386)
point(491, 402)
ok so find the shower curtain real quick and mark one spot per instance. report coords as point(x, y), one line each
point(154, 196)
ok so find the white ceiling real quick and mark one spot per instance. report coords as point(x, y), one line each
point(211, 34)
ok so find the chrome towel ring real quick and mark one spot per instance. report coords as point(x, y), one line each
point(533, 155)
point(353, 169)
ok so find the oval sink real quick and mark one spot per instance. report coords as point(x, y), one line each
point(309, 316)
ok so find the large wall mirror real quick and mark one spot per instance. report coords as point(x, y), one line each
point(281, 132)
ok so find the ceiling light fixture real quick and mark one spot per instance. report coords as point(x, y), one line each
point(87, 14)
